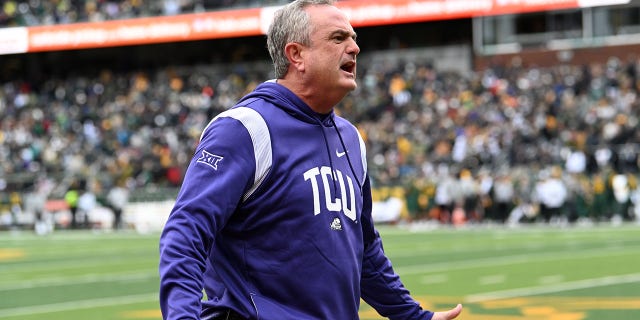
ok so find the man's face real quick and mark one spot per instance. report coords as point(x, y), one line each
point(330, 62)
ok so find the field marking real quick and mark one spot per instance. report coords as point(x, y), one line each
point(513, 259)
point(492, 279)
point(533, 234)
point(430, 249)
point(566, 286)
point(534, 229)
point(70, 281)
point(435, 278)
point(78, 304)
point(550, 279)
point(69, 235)
point(142, 314)
point(8, 254)
point(70, 263)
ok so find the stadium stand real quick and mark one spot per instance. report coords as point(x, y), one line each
point(41, 12)
point(465, 145)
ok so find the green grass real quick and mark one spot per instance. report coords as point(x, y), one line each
point(533, 273)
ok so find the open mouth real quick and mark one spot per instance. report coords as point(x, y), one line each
point(349, 67)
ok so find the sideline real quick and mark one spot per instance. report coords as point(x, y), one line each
point(77, 280)
point(514, 259)
point(566, 286)
point(78, 304)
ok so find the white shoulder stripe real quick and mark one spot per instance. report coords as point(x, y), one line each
point(260, 137)
point(363, 155)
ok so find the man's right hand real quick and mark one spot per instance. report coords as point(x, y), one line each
point(447, 315)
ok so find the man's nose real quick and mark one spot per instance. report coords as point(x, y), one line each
point(353, 48)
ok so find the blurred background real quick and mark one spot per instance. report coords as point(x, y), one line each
point(499, 132)
point(473, 111)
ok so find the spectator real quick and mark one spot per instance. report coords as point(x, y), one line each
point(35, 203)
point(470, 190)
point(32, 13)
point(117, 199)
point(552, 194)
point(508, 118)
point(15, 207)
point(601, 198)
point(71, 197)
point(503, 196)
point(446, 196)
point(86, 203)
point(621, 193)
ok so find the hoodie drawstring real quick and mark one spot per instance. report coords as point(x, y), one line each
point(326, 144)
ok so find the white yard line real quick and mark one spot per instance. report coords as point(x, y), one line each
point(84, 279)
point(434, 278)
point(566, 286)
point(492, 279)
point(551, 279)
point(515, 259)
point(77, 304)
point(70, 263)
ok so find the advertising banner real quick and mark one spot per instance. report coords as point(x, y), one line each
point(255, 21)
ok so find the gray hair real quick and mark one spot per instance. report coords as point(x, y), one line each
point(290, 24)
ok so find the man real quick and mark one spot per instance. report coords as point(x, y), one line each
point(274, 218)
point(117, 198)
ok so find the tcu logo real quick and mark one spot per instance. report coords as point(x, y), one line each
point(331, 202)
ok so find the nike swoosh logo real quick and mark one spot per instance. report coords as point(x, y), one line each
point(340, 154)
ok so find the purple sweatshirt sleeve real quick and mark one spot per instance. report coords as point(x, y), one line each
point(219, 173)
point(381, 287)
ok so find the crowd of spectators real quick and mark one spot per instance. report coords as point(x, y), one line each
point(49, 12)
point(509, 143)
point(480, 144)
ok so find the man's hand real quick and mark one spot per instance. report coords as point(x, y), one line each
point(447, 315)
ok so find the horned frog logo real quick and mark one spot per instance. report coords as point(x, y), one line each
point(336, 224)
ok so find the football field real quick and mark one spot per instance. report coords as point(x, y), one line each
point(535, 272)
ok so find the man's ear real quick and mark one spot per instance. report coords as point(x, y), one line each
point(294, 52)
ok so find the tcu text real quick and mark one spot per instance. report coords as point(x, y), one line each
point(331, 201)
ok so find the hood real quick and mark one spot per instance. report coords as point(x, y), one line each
point(283, 98)
point(286, 100)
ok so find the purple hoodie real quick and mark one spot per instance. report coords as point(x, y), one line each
point(274, 220)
